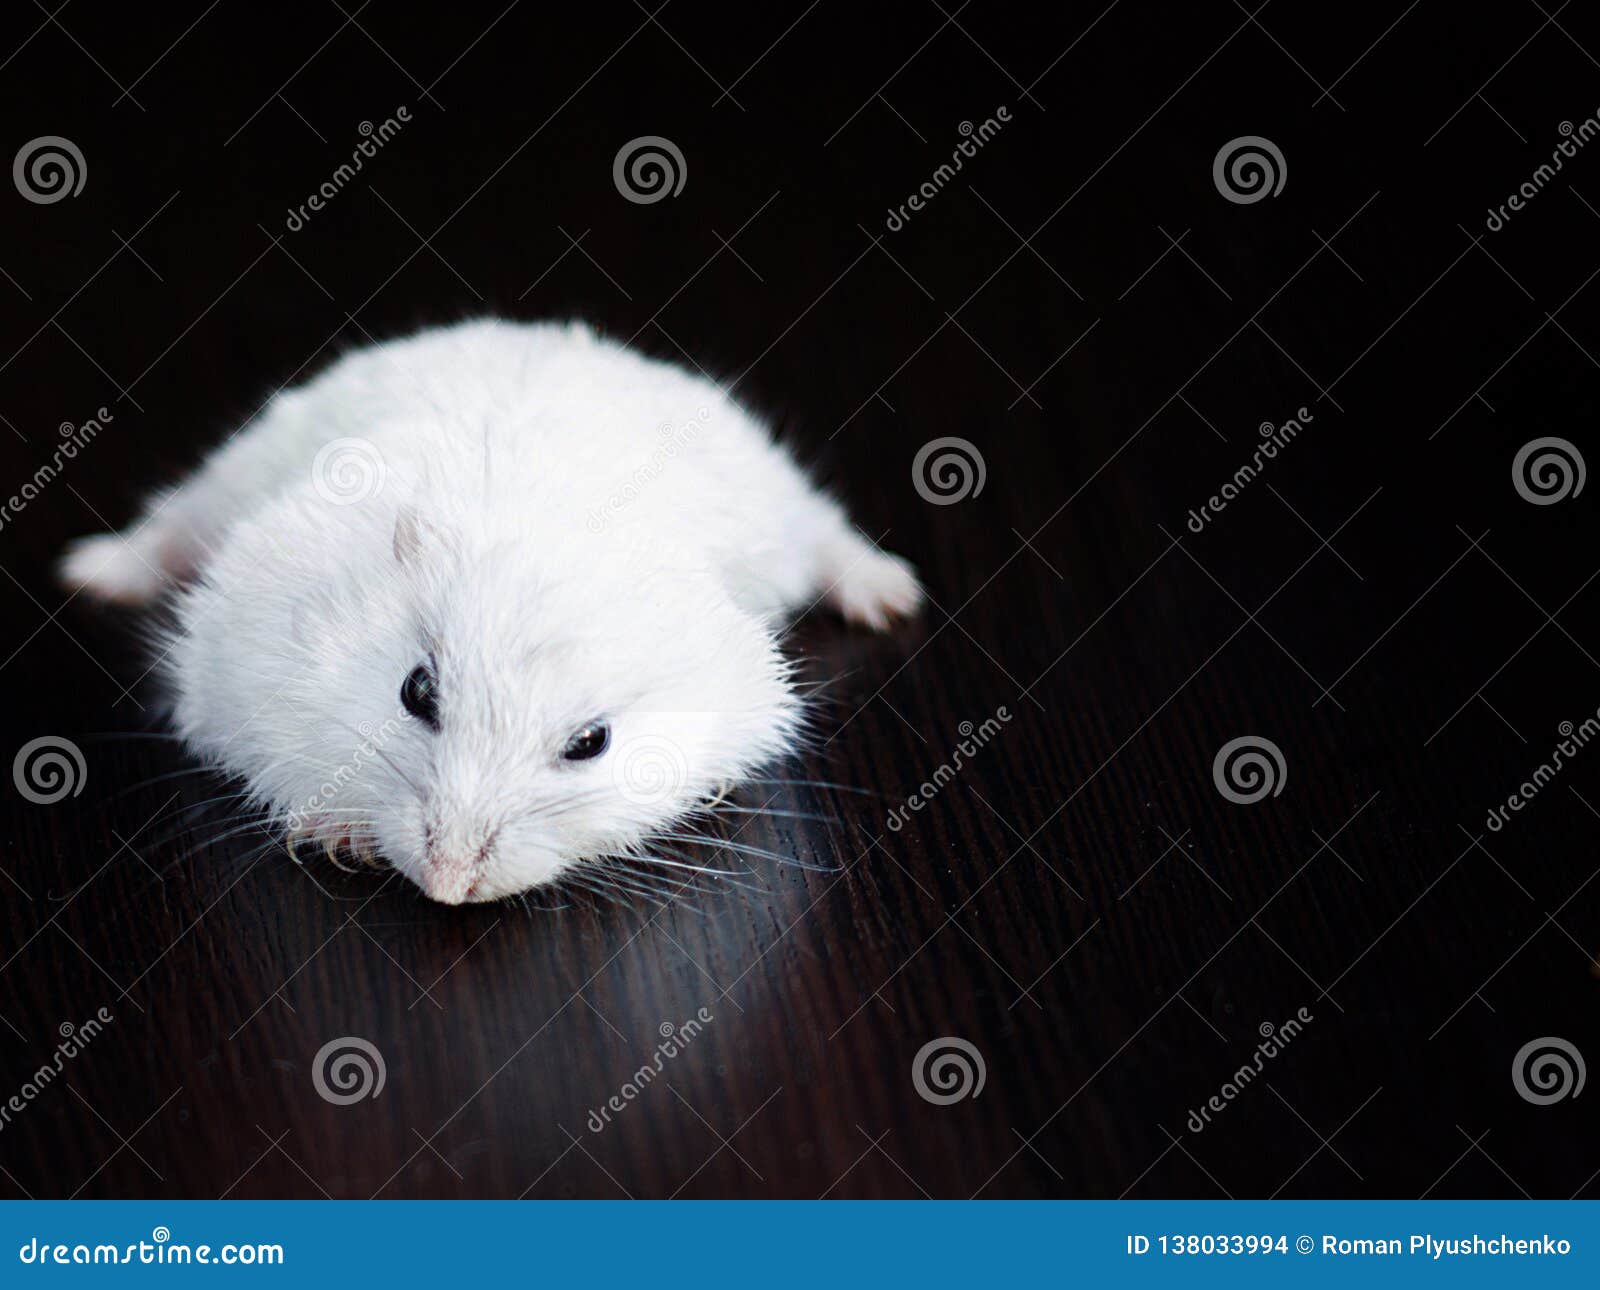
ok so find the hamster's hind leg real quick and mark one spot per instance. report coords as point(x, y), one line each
point(825, 558)
point(182, 525)
point(865, 583)
point(134, 566)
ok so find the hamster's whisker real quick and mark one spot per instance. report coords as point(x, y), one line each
point(572, 805)
point(723, 881)
point(809, 783)
point(668, 896)
point(619, 871)
point(725, 808)
point(614, 886)
point(606, 892)
point(237, 795)
point(609, 897)
point(673, 864)
point(248, 858)
point(377, 748)
point(108, 736)
point(683, 857)
point(659, 842)
point(170, 867)
point(533, 906)
point(744, 848)
point(161, 779)
point(259, 819)
point(760, 853)
point(717, 881)
point(209, 843)
point(263, 817)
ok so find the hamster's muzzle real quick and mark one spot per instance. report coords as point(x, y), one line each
point(452, 867)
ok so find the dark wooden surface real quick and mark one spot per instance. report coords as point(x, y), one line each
point(1080, 903)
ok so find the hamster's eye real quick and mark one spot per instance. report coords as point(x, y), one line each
point(420, 695)
point(589, 742)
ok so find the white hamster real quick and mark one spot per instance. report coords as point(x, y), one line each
point(491, 601)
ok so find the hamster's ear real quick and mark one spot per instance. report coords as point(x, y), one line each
point(414, 535)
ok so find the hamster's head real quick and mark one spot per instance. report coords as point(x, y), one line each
point(484, 715)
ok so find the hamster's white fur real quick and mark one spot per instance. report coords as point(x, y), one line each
point(563, 531)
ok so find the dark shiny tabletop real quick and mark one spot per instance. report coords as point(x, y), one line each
point(1171, 982)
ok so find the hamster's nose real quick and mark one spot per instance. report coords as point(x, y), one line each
point(451, 871)
point(449, 884)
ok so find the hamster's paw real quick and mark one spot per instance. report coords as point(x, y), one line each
point(875, 589)
point(109, 567)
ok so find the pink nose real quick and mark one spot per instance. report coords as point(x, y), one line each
point(449, 882)
point(453, 865)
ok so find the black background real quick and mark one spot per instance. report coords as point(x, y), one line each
point(1081, 303)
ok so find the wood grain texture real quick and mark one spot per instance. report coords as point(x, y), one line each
point(1079, 903)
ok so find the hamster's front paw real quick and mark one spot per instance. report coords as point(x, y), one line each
point(109, 567)
point(876, 589)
